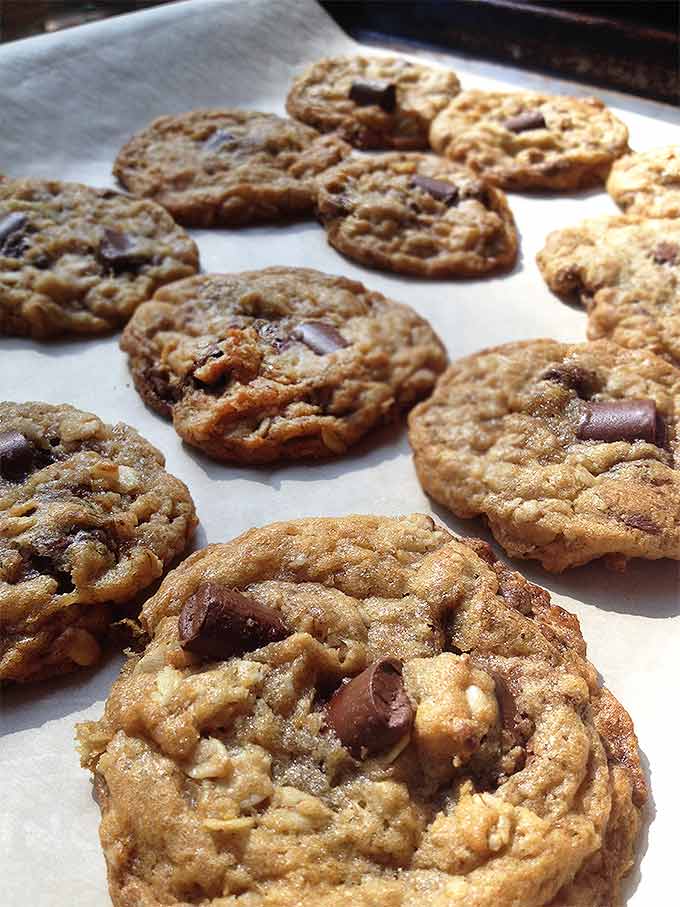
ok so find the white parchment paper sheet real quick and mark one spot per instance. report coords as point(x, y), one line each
point(68, 102)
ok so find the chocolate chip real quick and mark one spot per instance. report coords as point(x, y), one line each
point(320, 337)
point(12, 241)
point(622, 420)
point(523, 122)
point(371, 712)
point(217, 622)
point(641, 522)
point(581, 380)
point(439, 189)
point(16, 456)
point(665, 253)
point(119, 252)
point(383, 94)
point(219, 138)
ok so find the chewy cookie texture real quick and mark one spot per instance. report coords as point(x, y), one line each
point(361, 711)
point(647, 183)
point(88, 518)
point(568, 450)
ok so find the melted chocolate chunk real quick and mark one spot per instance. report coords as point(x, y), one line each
point(439, 189)
point(641, 522)
point(622, 420)
point(13, 242)
point(665, 253)
point(119, 252)
point(16, 456)
point(523, 122)
point(320, 337)
point(218, 139)
point(382, 94)
point(581, 380)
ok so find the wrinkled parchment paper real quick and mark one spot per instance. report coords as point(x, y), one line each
point(69, 101)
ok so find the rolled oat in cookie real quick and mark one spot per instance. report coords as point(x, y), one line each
point(279, 364)
point(88, 518)
point(416, 214)
point(421, 728)
point(568, 450)
point(224, 168)
point(647, 183)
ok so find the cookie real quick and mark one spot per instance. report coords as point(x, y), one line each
point(372, 102)
point(77, 260)
point(415, 214)
point(626, 271)
point(213, 168)
point(568, 450)
point(527, 140)
point(279, 364)
point(361, 711)
point(88, 518)
point(648, 183)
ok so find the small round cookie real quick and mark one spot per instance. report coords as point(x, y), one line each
point(213, 168)
point(363, 711)
point(279, 364)
point(88, 518)
point(568, 450)
point(626, 271)
point(416, 214)
point(647, 184)
point(526, 140)
point(373, 102)
point(77, 260)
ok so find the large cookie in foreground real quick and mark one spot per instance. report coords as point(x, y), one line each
point(373, 102)
point(280, 363)
point(213, 168)
point(568, 450)
point(77, 260)
point(647, 183)
point(474, 758)
point(88, 518)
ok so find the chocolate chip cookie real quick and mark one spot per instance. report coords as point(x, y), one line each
point(279, 364)
point(362, 711)
point(77, 260)
point(568, 450)
point(415, 214)
point(373, 102)
point(626, 271)
point(213, 168)
point(648, 183)
point(88, 518)
point(527, 140)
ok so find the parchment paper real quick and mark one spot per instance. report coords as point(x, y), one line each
point(69, 101)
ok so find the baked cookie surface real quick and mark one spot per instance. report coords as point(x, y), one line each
point(415, 214)
point(213, 168)
point(527, 140)
point(280, 363)
point(373, 102)
point(474, 758)
point(568, 450)
point(626, 271)
point(647, 183)
point(77, 260)
point(88, 517)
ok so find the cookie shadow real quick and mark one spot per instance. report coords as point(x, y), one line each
point(55, 347)
point(632, 880)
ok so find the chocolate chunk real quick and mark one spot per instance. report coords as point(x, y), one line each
point(217, 622)
point(641, 522)
point(523, 122)
point(665, 253)
point(320, 337)
point(119, 252)
point(383, 94)
point(573, 377)
point(371, 712)
point(16, 456)
point(12, 241)
point(439, 189)
point(622, 420)
point(219, 138)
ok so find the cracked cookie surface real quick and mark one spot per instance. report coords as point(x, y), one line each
point(501, 437)
point(395, 212)
point(223, 779)
point(213, 168)
point(528, 140)
point(77, 260)
point(280, 363)
point(647, 183)
point(626, 271)
point(321, 96)
point(88, 518)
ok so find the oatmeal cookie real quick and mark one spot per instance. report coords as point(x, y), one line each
point(415, 214)
point(213, 168)
point(626, 271)
point(568, 450)
point(88, 518)
point(527, 140)
point(280, 363)
point(77, 260)
point(373, 102)
point(648, 183)
point(361, 711)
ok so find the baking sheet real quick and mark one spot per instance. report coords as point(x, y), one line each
point(69, 101)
